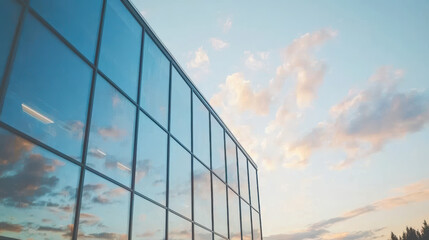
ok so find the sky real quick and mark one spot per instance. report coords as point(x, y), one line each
point(330, 98)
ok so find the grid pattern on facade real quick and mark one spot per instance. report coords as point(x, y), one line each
point(103, 136)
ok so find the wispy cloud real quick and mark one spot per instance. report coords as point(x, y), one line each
point(227, 24)
point(218, 44)
point(256, 61)
point(199, 63)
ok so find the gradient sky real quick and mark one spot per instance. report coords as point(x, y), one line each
point(330, 98)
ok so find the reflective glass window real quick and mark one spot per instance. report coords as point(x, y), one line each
point(180, 109)
point(218, 148)
point(202, 195)
point(200, 123)
point(201, 233)
point(180, 192)
point(155, 82)
point(9, 15)
point(110, 147)
point(179, 228)
point(48, 92)
point(104, 213)
point(234, 216)
point(245, 221)
point(37, 191)
point(244, 184)
point(253, 186)
point(231, 161)
point(78, 21)
point(120, 47)
point(216, 237)
point(219, 207)
point(148, 220)
point(256, 226)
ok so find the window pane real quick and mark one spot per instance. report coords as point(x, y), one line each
point(178, 228)
point(9, 15)
point(151, 173)
point(256, 226)
point(234, 216)
point(180, 109)
point(201, 130)
point(253, 186)
point(155, 82)
point(120, 47)
point(218, 147)
point(231, 161)
point(180, 192)
point(48, 91)
point(245, 221)
point(148, 220)
point(244, 184)
point(216, 237)
point(110, 148)
point(104, 211)
point(78, 21)
point(219, 207)
point(37, 191)
point(202, 195)
point(201, 233)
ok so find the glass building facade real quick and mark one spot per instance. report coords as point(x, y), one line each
point(103, 136)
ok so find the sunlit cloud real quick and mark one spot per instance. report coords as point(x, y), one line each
point(218, 44)
point(200, 59)
point(256, 61)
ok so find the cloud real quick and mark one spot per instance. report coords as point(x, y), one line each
point(218, 44)
point(10, 227)
point(200, 59)
point(227, 24)
point(255, 61)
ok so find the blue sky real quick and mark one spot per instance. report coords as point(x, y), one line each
point(329, 97)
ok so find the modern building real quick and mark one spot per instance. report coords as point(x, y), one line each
point(103, 135)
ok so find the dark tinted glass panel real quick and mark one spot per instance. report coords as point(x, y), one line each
point(112, 132)
point(179, 228)
point(78, 21)
point(180, 179)
point(244, 184)
point(9, 14)
point(231, 161)
point(148, 220)
point(245, 221)
point(256, 226)
point(48, 90)
point(200, 123)
point(37, 191)
point(180, 109)
point(120, 47)
point(219, 207)
point(155, 82)
point(253, 186)
point(151, 172)
point(105, 208)
point(218, 149)
point(234, 216)
point(202, 195)
point(201, 233)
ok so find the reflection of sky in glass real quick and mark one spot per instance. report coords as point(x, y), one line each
point(216, 237)
point(148, 220)
point(234, 216)
point(37, 191)
point(180, 109)
point(245, 221)
point(256, 225)
point(180, 179)
point(77, 21)
point(201, 234)
point(218, 153)
point(9, 14)
point(244, 184)
point(155, 81)
point(202, 195)
point(104, 211)
point(178, 228)
point(120, 47)
point(48, 90)
point(112, 132)
point(253, 187)
point(231, 161)
point(151, 169)
point(200, 123)
point(219, 207)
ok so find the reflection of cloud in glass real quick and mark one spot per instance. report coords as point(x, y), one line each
point(35, 114)
point(112, 132)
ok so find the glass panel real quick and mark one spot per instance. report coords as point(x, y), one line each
point(201, 233)
point(256, 226)
point(37, 191)
point(178, 228)
point(245, 221)
point(253, 186)
point(218, 148)
point(155, 82)
point(104, 211)
point(9, 15)
point(244, 184)
point(219, 207)
point(110, 148)
point(231, 161)
point(78, 21)
point(202, 195)
point(201, 130)
point(180, 109)
point(120, 47)
point(148, 220)
point(216, 237)
point(234, 216)
point(48, 91)
point(180, 194)
point(151, 173)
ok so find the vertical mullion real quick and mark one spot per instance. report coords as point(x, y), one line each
point(167, 194)
point(226, 182)
point(259, 205)
point(210, 171)
point(192, 162)
point(250, 197)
